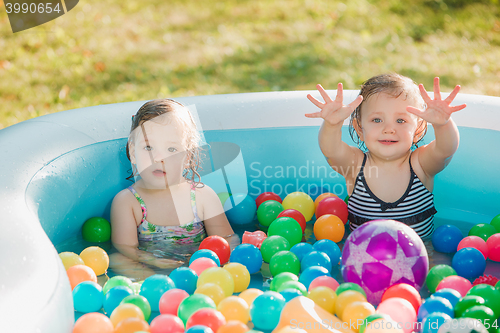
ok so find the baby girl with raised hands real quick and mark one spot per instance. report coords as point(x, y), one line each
point(161, 219)
point(388, 176)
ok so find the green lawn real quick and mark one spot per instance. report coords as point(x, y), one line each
point(114, 51)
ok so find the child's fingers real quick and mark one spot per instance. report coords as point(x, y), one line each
point(458, 107)
point(424, 93)
point(452, 95)
point(437, 92)
point(414, 110)
point(340, 93)
point(315, 101)
point(324, 94)
point(313, 115)
point(354, 104)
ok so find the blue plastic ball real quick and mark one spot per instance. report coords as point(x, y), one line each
point(450, 294)
point(301, 249)
point(205, 253)
point(445, 238)
point(331, 249)
point(266, 309)
point(88, 297)
point(154, 287)
point(248, 255)
point(240, 209)
point(310, 273)
point(199, 329)
point(290, 294)
point(184, 278)
point(114, 296)
point(316, 258)
point(434, 304)
point(469, 263)
point(434, 321)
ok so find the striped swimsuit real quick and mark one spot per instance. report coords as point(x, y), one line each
point(415, 208)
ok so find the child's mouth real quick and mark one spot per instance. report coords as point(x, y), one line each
point(387, 142)
point(159, 173)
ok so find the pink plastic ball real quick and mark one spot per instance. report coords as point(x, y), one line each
point(324, 281)
point(166, 323)
point(475, 242)
point(170, 300)
point(458, 283)
point(401, 311)
point(493, 244)
point(200, 264)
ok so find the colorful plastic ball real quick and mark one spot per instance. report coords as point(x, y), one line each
point(466, 303)
point(212, 290)
point(321, 197)
point(240, 274)
point(267, 196)
point(346, 298)
point(218, 276)
point(401, 311)
point(316, 258)
point(345, 286)
point(383, 326)
point(490, 294)
point(331, 249)
point(481, 312)
point(166, 323)
point(141, 302)
point(356, 312)
point(124, 311)
point(250, 295)
point(458, 283)
point(463, 325)
point(208, 317)
point(93, 323)
point(233, 326)
point(170, 300)
point(290, 293)
point(205, 253)
point(437, 274)
point(434, 321)
point(329, 227)
point(324, 297)
point(116, 281)
point(154, 287)
point(266, 309)
point(493, 244)
point(96, 258)
point(132, 325)
point(284, 261)
point(293, 285)
point(223, 196)
point(310, 273)
point(88, 297)
point(234, 308)
point(268, 211)
point(248, 255)
point(219, 245)
point(371, 318)
point(184, 278)
point(435, 304)
point(272, 245)
point(469, 263)
point(495, 222)
point(255, 238)
point(192, 304)
point(80, 273)
point(96, 230)
point(450, 294)
point(324, 281)
point(287, 228)
point(201, 264)
point(70, 259)
point(199, 329)
point(446, 238)
point(114, 296)
point(483, 230)
point(333, 206)
point(406, 291)
point(300, 201)
point(281, 278)
point(301, 249)
point(240, 209)
point(296, 215)
point(475, 242)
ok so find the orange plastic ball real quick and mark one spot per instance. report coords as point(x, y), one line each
point(124, 311)
point(70, 259)
point(96, 258)
point(234, 308)
point(233, 326)
point(93, 323)
point(132, 325)
point(321, 197)
point(80, 273)
point(250, 295)
point(329, 227)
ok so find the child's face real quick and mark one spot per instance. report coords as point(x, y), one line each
point(158, 151)
point(388, 130)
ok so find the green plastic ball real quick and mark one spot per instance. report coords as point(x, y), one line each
point(465, 303)
point(483, 230)
point(272, 245)
point(286, 227)
point(293, 285)
point(268, 211)
point(349, 286)
point(116, 281)
point(436, 275)
point(346, 199)
point(141, 302)
point(496, 222)
point(96, 230)
point(490, 294)
point(193, 303)
point(483, 313)
point(284, 261)
point(281, 278)
point(223, 197)
point(371, 318)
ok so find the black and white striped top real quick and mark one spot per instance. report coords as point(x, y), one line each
point(415, 208)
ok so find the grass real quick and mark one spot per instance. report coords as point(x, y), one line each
point(115, 51)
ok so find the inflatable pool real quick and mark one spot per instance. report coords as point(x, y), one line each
point(61, 169)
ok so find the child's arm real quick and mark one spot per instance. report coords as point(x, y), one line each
point(342, 157)
point(436, 155)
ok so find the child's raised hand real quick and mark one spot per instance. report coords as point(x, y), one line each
point(333, 112)
point(438, 111)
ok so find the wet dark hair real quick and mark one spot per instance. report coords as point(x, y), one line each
point(393, 85)
point(191, 141)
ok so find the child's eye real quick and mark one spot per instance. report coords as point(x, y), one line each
point(148, 148)
point(377, 120)
point(172, 149)
point(401, 121)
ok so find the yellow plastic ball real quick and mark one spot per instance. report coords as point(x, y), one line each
point(345, 298)
point(240, 274)
point(356, 312)
point(124, 311)
point(212, 290)
point(233, 326)
point(300, 201)
point(96, 258)
point(250, 295)
point(218, 276)
point(70, 259)
point(234, 308)
point(324, 297)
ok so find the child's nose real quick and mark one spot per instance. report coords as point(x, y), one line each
point(388, 129)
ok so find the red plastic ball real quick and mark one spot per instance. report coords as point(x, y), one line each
point(296, 215)
point(267, 196)
point(208, 317)
point(166, 323)
point(403, 290)
point(334, 206)
point(493, 244)
point(476, 242)
point(219, 245)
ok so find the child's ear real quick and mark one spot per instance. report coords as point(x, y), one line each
point(358, 129)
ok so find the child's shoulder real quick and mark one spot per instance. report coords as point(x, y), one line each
point(125, 196)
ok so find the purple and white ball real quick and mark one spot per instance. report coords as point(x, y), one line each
point(382, 253)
